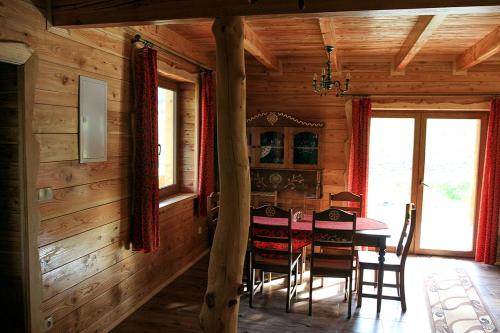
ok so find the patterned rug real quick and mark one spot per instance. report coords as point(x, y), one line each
point(456, 307)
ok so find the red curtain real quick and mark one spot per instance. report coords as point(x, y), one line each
point(145, 203)
point(358, 157)
point(207, 143)
point(486, 245)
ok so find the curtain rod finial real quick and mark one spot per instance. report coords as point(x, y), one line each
point(136, 38)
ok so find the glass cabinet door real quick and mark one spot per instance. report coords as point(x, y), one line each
point(272, 147)
point(305, 148)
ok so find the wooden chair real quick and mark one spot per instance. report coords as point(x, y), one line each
point(394, 262)
point(334, 264)
point(272, 250)
point(348, 202)
point(212, 215)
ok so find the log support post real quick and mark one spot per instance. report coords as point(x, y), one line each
point(219, 313)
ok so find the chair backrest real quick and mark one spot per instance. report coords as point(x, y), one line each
point(333, 228)
point(212, 214)
point(407, 232)
point(271, 238)
point(347, 201)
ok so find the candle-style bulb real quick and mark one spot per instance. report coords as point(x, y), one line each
point(348, 76)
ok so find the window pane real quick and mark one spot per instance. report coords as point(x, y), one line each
point(390, 171)
point(166, 137)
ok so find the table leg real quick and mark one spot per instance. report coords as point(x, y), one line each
point(380, 286)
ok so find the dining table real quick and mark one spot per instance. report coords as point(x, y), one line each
point(369, 232)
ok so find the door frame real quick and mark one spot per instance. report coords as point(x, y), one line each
point(420, 117)
point(23, 56)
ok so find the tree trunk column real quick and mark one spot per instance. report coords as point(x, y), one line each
point(220, 307)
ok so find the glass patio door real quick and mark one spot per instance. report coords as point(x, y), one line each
point(433, 160)
point(448, 184)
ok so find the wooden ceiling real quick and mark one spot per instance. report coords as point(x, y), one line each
point(376, 37)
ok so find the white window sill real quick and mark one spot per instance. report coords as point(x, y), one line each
point(176, 198)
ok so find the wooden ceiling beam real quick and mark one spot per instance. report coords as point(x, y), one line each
point(177, 44)
point(416, 39)
point(328, 34)
point(480, 51)
point(253, 46)
point(106, 13)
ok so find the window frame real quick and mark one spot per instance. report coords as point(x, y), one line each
point(174, 188)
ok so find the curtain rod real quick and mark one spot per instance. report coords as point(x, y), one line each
point(422, 94)
point(148, 43)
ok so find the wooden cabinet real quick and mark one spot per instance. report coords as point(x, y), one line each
point(285, 157)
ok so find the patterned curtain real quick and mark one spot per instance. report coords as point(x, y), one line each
point(486, 245)
point(358, 157)
point(145, 202)
point(206, 177)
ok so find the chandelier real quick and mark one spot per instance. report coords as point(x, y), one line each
point(327, 83)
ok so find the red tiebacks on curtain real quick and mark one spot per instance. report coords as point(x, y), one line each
point(486, 245)
point(207, 143)
point(145, 203)
point(358, 157)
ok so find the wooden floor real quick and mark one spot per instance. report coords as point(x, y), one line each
point(176, 307)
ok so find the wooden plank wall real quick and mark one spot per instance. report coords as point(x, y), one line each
point(10, 228)
point(291, 92)
point(91, 278)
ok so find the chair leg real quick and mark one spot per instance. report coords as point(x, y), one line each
point(398, 285)
point(375, 278)
point(349, 304)
point(269, 277)
point(322, 280)
point(360, 287)
point(251, 284)
point(402, 290)
point(345, 290)
point(310, 293)
point(247, 269)
point(288, 292)
point(262, 281)
point(303, 264)
point(296, 279)
point(356, 275)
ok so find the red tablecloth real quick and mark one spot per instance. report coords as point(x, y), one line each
point(302, 230)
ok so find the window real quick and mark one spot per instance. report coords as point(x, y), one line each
point(167, 133)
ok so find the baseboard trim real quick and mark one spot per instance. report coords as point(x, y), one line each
point(158, 289)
